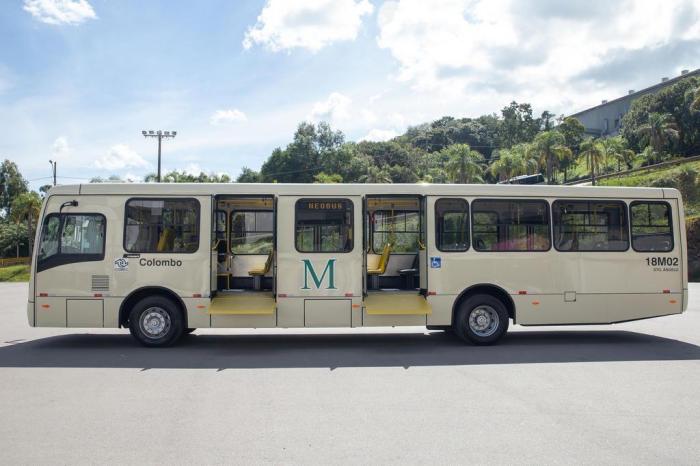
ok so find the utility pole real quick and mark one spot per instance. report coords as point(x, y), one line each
point(53, 169)
point(160, 135)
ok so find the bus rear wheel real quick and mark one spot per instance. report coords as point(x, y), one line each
point(481, 319)
point(156, 321)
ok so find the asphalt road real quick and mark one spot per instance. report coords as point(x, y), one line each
point(629, 393)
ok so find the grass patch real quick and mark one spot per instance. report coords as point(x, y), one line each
point(14, 273)
point(644, 179)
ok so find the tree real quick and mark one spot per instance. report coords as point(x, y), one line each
point(44, 189)
point(26, 208)
point(248, 176)
point(548, 147)
point(326, 178)
point(375, 175)
point(464, 165)
point(616, 150)
point(517, 125)
point(594, 152)
point(13, 238)
point(573, 131)
point(675, 100)
point(695, 100)
point(660, 131)
point(509, 163)
point(12, 184)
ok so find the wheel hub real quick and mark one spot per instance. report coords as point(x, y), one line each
point(155, 322)
point(483, 320)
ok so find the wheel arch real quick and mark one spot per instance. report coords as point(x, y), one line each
point(489, 289)
point(146, 291)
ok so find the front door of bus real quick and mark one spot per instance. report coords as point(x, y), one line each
point(319, 243)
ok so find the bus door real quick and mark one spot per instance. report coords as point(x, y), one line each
point(422, 248)
point(73, 268)
point(320, 254)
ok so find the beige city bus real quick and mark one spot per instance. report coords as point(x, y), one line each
point(166, 259)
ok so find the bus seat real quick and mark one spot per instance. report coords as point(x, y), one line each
point(410, 273)
point(259, 273)
point(383, 261)
point(165, 242)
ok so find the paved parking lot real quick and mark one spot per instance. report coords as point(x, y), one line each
point(629, 393)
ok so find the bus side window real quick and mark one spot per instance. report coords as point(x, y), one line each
point(651, 226)
point(510, 225)
point(71, 238)
point(324, 225)
point(590, 225)
point(161, 225)
point(452, 225)
point(49, 237)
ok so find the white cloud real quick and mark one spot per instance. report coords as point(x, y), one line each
point(308, 24)
point(121, 156)
point(335, 108)
point(60, 11)
point(227, 116)
point(380, 135)
point(459, 51)
point(193, 169)
point(60, 147)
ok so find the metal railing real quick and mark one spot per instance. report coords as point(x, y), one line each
point(6, 262)
point(668, 163)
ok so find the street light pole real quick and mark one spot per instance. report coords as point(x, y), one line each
point(160, 135)
point(53, 169)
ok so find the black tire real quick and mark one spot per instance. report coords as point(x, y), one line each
point(485, 311)
point(162, 316)
point(189, 330)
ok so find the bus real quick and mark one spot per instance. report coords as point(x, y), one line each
point(165, 259)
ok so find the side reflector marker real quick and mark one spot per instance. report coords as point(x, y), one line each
point(667, 291)
point(522, 292)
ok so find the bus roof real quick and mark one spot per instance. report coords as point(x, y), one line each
point(299, 189)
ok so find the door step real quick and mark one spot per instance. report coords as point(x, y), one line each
point(242, 303)
point(396, 303)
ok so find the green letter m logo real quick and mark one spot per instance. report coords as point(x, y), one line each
point(309, 270)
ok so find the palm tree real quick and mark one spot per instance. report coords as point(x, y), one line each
point(375, 175)
point(616, 149)
point(26, 207)
point(594, 152)
point(507, 164)
point(464, 165)
point(695, 103)
point(659, 131)
point(549, 148)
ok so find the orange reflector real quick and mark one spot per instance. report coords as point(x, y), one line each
point(201, 307)
point(432, 293)
point(197, 295)
point(282, 295)
point(355, 306)
point(522, 292)
point(43, 295)
point(667, 291)
point(45, 306)
point(348, 295)
point(673, 301)
point(536, 303)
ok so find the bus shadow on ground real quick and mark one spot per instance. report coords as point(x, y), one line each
point(345, 350)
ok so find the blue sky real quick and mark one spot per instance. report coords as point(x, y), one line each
point(80, 79)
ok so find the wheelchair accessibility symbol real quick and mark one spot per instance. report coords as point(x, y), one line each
point(435, 262)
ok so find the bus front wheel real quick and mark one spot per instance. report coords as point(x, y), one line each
point(156, 321)
point(482, 319)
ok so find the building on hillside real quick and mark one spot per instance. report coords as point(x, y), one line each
point(605, 119)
